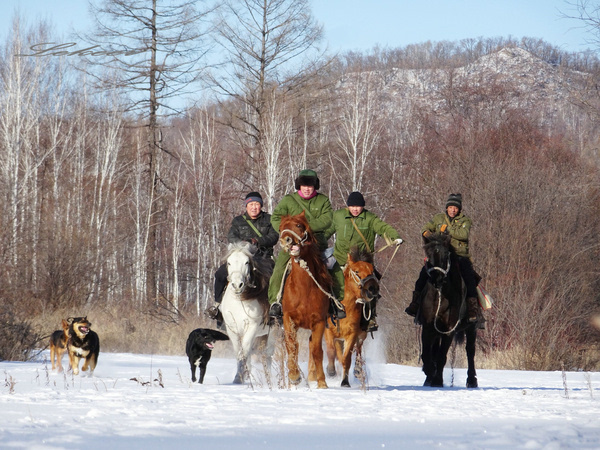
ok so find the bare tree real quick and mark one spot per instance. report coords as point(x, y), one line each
point(155, 48)
point(269, 45)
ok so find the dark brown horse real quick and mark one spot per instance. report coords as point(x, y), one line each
point(360, 287)
point(305, 299)
point(443, 311)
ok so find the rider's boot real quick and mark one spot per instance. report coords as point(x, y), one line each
point(213, 312)
point(372, 325)
point(415, 304)
point(275, 311)
point(472, 309)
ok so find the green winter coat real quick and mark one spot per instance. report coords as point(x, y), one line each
point(458, 228)
point(346, 235)
point(318, 212)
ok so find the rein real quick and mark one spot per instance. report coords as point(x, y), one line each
point(303, 264)
point(439, 296)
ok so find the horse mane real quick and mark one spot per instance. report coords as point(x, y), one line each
point(361, 255)
point(436, 240)
point(310, 251)
point(261, 274)
point(241, 246)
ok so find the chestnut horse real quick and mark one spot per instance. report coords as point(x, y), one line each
point(305, 300)
point(443, 312)
point(360, 288)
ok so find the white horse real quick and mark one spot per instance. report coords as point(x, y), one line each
point(245, 306)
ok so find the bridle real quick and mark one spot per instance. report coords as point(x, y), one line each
point(247, 278)
point(289, 242)
point(365, 300)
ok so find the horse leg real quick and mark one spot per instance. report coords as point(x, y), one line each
point(442, 352)
point(291, 346)
point(329, 340)
point(471, 336)
point(427, 355)
point(347, 359)
point(241, 370)
point(316, 350)
point(359, 369)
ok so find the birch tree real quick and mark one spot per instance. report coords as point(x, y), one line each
point(156, 46)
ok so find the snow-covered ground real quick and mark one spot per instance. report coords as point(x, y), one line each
point(149, 402)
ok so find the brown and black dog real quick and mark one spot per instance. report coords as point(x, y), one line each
point(83, 343)
point(58, 345)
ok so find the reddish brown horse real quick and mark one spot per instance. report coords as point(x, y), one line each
point(360, 288)
point(305, 301)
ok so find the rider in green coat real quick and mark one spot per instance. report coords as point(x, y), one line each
point(354, 226)
point(319, 212)
point(458, 226)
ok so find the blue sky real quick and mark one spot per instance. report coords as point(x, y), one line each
point(361, 24)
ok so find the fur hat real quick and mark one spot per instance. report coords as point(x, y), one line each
point(454, 200)
point(307, 177)
point(355, 199)
point(253, 197)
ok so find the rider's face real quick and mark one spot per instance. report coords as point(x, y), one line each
point(452, 211)
point(307, 191)
point(253, 209)
point(355, 210)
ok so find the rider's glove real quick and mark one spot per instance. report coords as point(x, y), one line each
point(398, 241)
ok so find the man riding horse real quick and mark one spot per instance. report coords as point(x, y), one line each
point(458, 226)
point(254, 226)
point(355, 226)
point(318, 211)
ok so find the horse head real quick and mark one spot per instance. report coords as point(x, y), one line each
point(359, 268)
point(295, 233)
point(439, 258)
point(239, 266)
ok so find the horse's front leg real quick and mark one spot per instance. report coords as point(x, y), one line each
point(442, 352)
point(291, 346)
point(471, 336)
point(427, 355)
point(315, 345)
point(347, 358)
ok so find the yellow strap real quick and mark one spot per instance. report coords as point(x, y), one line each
point(361, 235)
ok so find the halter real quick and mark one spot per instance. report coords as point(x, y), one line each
point(360, 282)
point(247, 279)
point(301, 240)
point(444, 272)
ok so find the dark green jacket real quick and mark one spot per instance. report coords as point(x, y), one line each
point(346, 235)
point(458, 228)
point(318, 212)
point(241, 231)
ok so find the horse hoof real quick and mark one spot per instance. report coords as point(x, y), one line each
point(331, 372)
point(295, 381)
point(237, 380)
point(345, 383)
point(322, 385)
point(472, 383)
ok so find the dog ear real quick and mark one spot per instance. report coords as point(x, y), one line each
point(218, 336)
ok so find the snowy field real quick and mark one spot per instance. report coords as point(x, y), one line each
point(149, 402)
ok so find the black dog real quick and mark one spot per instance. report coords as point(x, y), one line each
point(199, 348)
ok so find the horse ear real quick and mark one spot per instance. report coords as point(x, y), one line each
point(350, 259)
point(302, 214)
